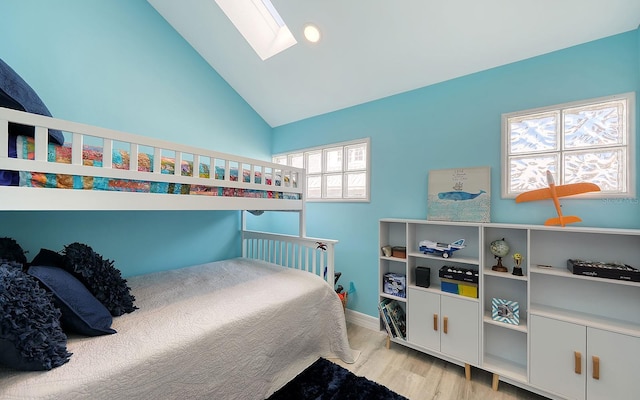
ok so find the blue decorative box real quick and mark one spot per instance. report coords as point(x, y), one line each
point(395, 284)
point(449, 287)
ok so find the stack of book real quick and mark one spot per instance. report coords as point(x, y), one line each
point(394, 318)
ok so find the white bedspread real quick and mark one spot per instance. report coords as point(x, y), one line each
point(235, 329)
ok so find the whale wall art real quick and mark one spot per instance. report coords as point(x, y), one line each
point(459, 194)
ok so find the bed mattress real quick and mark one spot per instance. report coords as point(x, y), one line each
point(234, 329)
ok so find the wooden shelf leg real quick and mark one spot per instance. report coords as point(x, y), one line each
point(494, 384)
point(388, 342)
point(467, 371)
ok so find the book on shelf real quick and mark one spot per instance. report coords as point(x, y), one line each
point(398, 318)
point(393, 317)
point(386, 320)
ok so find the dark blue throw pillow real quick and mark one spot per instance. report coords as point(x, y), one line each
point(81, 311)
point(31, 337)
point(48, 257)
point(16, 94)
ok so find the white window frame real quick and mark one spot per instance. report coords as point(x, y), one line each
point(628, 146)
point(287, 157)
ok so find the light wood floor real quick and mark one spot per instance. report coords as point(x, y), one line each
point(419, 376)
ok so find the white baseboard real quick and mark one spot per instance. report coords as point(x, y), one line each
point(363, 320)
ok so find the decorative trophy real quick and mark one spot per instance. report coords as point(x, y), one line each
point(517, 270)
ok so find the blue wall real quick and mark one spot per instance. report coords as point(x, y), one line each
point(456, 124)
point(119, 65)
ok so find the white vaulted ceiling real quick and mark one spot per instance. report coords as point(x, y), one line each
point(371, 49)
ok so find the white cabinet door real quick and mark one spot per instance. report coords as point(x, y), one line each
point(616, 366)
point(558, 356)
point(444, 324)
point(459, 336)
point(422, 309)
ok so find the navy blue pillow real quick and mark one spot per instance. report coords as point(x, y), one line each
point(49, 258)
point(31, 337)
point(16, 94)
point(81, 311)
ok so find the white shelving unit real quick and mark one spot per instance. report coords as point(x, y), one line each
point(577, 336)
point(595, 322)
point(504, 350)
point(438, 322)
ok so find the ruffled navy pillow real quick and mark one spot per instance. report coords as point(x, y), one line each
point(31, 338)
point(102, 279)
point(10, 250)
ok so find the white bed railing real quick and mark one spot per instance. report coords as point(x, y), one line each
point(309, 254)
point(28, 198)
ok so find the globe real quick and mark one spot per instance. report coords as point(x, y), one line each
point(499, 248)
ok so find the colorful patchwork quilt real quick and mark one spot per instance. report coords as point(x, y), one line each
point(92, 156)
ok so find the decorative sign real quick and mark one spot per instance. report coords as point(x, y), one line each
point(461, 194)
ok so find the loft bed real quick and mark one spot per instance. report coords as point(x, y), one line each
point(99, 160)
point(230, 329)
point(105, 176)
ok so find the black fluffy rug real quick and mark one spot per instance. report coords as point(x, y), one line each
point(324, 380)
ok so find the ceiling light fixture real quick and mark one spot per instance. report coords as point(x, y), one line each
point(312, 33)
point(260, 24)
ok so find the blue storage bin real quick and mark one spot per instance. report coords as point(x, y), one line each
point(449, 287)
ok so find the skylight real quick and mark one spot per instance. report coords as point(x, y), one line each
point(260, 24)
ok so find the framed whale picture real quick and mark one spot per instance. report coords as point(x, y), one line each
point(459, 194)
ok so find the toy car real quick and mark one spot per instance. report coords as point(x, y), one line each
point(444, 249)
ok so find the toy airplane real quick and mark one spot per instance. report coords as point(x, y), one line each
point(555, 192)
point(445, 249)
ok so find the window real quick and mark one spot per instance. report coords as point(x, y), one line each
point(586, 141)
point(260, 24)
point(337, 172)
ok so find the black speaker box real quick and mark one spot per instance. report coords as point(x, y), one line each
point(423, 276)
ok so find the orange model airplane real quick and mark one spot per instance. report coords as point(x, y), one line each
point(554, 192)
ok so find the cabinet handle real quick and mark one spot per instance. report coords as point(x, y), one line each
point(446, 324)
point(577, 362)
point(596, 367)
point(435, 322)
